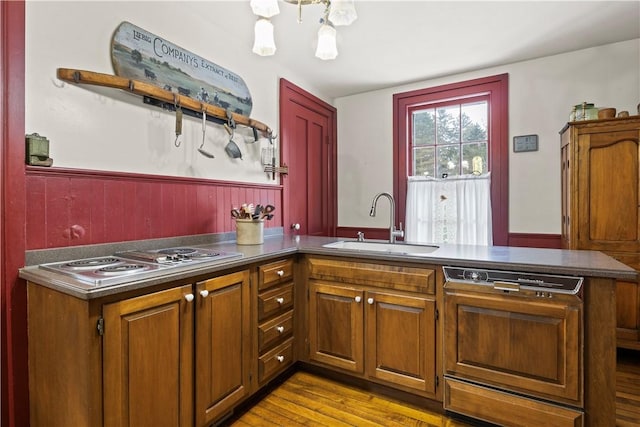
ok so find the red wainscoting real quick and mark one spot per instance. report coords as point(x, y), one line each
point(369, 233)
point(68, 207)
point(529, 240)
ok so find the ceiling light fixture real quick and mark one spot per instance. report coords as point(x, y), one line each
point(336, 13)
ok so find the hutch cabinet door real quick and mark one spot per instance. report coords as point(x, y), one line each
point(336, 328)
point(223, 345)
point(401, 340)
point(148, 352)
point(601, 204)
point(608, 187)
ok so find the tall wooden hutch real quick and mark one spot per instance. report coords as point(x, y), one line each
point(600, 203)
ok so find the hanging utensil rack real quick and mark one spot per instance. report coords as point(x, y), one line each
point(154, 95)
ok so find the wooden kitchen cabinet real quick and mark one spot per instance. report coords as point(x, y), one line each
point(600, 173)
point(148, 363)
point(275, 319)
point(401, 339)
point(223, 345)
point(374, 321)
point(176, 357)
point(149, 350)
point(336, 326)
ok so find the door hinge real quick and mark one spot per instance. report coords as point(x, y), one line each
point(437, 313)
point(100, 326)
point(437, 381)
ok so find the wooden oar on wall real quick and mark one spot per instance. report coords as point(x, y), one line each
point(152, 91)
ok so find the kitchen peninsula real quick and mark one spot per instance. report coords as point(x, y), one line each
point(226, 328)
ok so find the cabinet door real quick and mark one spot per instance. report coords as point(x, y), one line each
point(336, 326)
point(223, 345)
point(608, 176)
point(148, 353)
point(401, 340)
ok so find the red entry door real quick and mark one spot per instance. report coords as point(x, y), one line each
point(308, 148)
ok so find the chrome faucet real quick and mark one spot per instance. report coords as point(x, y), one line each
point(393, 233)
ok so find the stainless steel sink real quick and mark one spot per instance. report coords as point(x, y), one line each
point(396, 248)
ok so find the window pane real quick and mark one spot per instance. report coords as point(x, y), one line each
point(448, 125)
point(474, 121)
point(424, 161)
point(424, 130)
point(474, 158)
point(449, 160)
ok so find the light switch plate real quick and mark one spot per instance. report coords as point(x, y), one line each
point(524, 143)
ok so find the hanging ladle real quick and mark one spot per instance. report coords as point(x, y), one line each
point(232, 148)
point(204, 131)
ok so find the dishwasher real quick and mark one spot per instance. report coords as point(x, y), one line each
point(513, 341)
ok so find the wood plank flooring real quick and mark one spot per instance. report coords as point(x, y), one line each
point(308, 400)
point(628, 389)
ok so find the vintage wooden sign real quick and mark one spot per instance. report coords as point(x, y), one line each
point(140, 55)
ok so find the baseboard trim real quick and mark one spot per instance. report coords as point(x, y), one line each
point(528, 240)
point(535, 240)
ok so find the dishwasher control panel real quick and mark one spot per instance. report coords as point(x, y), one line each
point(542, 284)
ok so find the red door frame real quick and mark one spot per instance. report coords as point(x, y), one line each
point(497, 89)
point(290, 95)
point(13, 301)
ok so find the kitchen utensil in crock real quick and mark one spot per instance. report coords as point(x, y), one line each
point(257, 212)
point(204, 131)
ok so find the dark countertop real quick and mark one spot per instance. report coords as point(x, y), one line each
point(551, 261)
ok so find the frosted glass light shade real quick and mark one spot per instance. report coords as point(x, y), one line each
point(265, 8)
point(327, 48)
point(263, 42)
point(342, 12)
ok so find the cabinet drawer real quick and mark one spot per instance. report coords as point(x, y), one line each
point(274, 273)
point(275, 330)
point(504, 408)
point(275, 361)
point(275, 301)
point(362, 273)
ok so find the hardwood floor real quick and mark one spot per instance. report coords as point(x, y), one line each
point(628, 389)
point(308, 400)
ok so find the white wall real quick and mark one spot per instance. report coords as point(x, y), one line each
point(109, 129)
point(541, 95)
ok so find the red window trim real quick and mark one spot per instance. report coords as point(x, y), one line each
point(496, 87)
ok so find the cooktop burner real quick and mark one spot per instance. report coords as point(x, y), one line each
point(91, 263)
point(178, 255)
point(178, 251)
point(135, 265)
point(122, 269)
point(108, 270)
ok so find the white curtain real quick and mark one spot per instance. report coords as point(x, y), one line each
point(449, 210)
